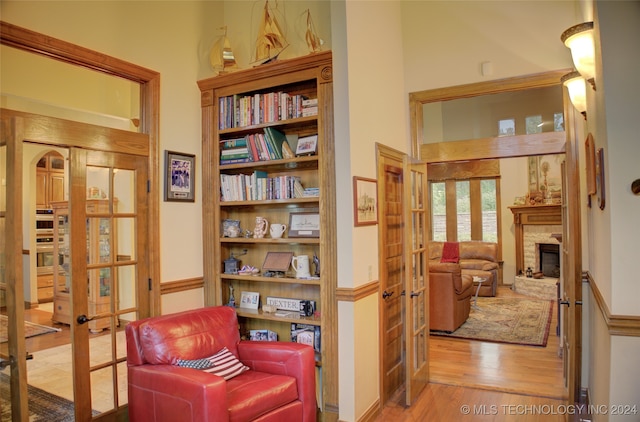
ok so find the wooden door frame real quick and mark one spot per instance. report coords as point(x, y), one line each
point(508, 147)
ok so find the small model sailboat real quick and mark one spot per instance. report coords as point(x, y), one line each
point(311, 37)
point(270, 41)
point(221, 57)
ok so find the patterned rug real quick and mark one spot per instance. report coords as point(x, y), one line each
point(507, 320)
point(30, 329)
point(43, 406)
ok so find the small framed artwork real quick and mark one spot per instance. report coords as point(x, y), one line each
point(307, 145)
point(179, 176)
point(365, 201)
point(304, 224)
point(249, 300)
point(590, 158)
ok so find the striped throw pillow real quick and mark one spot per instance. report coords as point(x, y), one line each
point(223, 364)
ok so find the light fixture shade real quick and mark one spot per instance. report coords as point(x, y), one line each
point(579, 39)
point(577, 88)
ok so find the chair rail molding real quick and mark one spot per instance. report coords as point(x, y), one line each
point(618, 325)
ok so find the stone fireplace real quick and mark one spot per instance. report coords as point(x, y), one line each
point(536, 224)
point(537, 247)
point(538, 243)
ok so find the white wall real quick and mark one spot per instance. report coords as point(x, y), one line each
point(370, 108)
point(445, 42)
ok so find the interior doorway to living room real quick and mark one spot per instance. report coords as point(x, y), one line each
point(432, 143)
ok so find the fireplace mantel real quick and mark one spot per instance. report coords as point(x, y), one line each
point(536, 214)
point(528, 215)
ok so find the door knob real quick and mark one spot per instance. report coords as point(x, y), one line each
point(83, 319)
point(415, 294)
point(565, 302)
point(385, 294)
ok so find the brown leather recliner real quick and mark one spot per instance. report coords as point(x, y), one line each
point(279, 385)
point(477, 259)
point(449, 296)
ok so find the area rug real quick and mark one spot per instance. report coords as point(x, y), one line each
point(30, 329)
point(507, 320)
point(43, 406)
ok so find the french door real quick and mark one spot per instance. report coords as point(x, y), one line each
point(416, 281)
point(105, 251)
point(107, 217)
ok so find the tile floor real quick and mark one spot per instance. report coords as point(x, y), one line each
point(50, 370)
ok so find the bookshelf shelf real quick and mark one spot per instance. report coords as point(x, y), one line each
point(259, 279)
point(268, 240)
point(301, 122)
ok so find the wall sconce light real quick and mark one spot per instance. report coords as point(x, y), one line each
point(579, 39)
point(577, 88)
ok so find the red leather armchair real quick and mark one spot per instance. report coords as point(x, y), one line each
point(279, 386)
point(449, 296)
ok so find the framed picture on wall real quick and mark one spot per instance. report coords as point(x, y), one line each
point(365, 201)
point(179, 176)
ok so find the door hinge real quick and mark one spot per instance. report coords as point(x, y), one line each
point(148, 186)
point(150, 285)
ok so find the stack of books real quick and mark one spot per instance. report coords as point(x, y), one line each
point(234, 151)
point(311, 192)
point(310, 107)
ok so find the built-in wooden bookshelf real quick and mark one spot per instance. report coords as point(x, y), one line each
point(242, 112)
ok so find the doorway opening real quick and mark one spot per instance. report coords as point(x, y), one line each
point(527, 144)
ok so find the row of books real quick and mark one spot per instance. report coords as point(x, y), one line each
point(270, 145)
point(258, 187)
point(247, 110)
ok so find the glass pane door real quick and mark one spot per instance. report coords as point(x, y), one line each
point(416, 278)
point(114, 271)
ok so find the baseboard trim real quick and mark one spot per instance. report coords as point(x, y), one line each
point(372, 412)
point(618, 325)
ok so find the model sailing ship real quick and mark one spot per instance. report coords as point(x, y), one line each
point(270, 41)
point(221, 57)
point(314, 42)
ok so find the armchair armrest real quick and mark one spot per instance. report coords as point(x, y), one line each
point(167, 392)
point(284, 358)
point(444, 267)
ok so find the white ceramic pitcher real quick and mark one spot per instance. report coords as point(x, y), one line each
point(300, 264)
point(277, 230)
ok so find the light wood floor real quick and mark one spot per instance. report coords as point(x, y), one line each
point(495, 381)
